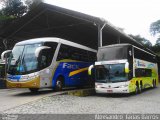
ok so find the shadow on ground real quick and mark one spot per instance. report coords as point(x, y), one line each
point(44, 91)
point(116, 95)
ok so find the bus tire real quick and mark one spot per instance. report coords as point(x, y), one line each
point(154, 83)
point(141, 87)
point(59, 83)
point(34, 90)
point(136, 89)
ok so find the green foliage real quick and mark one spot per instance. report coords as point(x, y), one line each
point(32, 3)
point(147, 43)
point(13, 9)
point(155, 27)
point(3, 17)
point(156, 47)
point(158, 41)
point(143, 41)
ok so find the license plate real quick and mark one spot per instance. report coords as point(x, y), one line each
point(109, 91)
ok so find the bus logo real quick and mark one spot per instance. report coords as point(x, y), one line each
point(70, 66)
point(141, 64)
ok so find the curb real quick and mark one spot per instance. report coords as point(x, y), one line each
point(82, 92)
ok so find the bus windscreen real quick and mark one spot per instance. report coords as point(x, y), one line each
point(112, 53)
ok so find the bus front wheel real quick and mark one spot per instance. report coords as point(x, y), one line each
point(136, 90)
point(59, 83)
point(141, 87)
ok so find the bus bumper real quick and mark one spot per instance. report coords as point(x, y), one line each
point(34, 83)
point(112, 90)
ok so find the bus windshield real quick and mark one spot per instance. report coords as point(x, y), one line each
point(111, 73)
point(23, 59)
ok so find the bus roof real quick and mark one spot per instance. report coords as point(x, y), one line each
point(127, 44)
point(54, 39)
point(115, 45)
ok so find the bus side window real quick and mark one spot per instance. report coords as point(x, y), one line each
point(74, 53)
point(53, 46)
point(64, 52)
point(79, 54)
point(141, 72)
point(85, 56)
point(92, 56)
point(45, 58)
point(69, 52)
point(43, 61)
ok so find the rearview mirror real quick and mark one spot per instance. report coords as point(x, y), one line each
point(39, 49)
point(127, 67)
point(5, 54)
point(90, 69)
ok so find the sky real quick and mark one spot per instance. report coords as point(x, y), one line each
point(134, 16)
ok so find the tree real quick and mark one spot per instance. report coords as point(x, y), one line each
point(32, 3)
point(155, 30)
point(143, 41)
point(158, 42)
point(156, 47)
point(155, 27)
point(13, 8)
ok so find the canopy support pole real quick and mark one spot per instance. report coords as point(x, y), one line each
point(100, 34)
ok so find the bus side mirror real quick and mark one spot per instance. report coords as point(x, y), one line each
point(5, 54)
point(127, 67)
point(39, 49)
point(90, 69)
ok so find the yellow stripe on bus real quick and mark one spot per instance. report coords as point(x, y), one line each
point(77, 71)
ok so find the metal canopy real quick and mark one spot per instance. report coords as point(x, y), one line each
point(52, 21)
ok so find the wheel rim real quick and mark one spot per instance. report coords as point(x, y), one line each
point(153, 84)
point(136, 90)
point(140, 89)
point(59, 85)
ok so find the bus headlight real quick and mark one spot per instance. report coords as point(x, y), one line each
point(98, 85)
point(123, 86)
point(29, 77)
point(24, 78)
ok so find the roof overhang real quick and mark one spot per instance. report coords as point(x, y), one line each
point(52, 21)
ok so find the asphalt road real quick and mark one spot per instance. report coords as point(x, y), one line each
point(10, 98)
point(147, 102)
point(20, 103)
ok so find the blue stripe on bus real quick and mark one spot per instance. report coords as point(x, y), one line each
point(64, 69)
point(14, 77)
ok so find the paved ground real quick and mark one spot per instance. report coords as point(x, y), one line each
point(10, 98)
point(146, 102)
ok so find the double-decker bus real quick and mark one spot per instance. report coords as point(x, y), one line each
point(124, 68)
point(49, 62)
